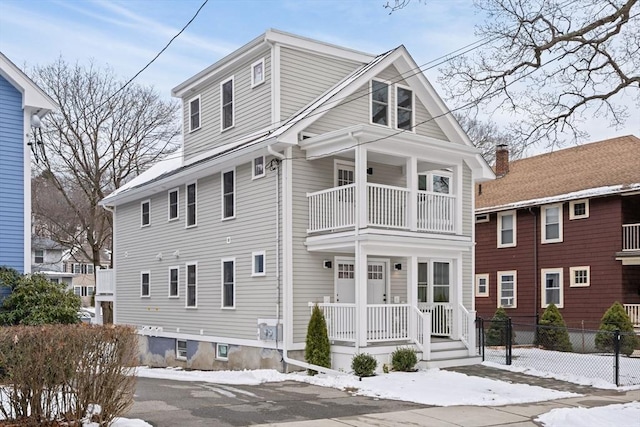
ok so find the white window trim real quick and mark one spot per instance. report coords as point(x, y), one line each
point(233, 104)
point(148, 273)
point(199, 113)
point(218, 345)
point(235, 194)
point(186, 205)
point(253, 168)
point(346, 164)
point(543, 225)
point(253, 263)
point(254, 83)
point(478, 278)
point(186, 285)
point(572, 276)
point(572, 204)
point(35, 256)
point(177, 295)
point(413, 108)
point(389, 113)
point(142, 203)
point(480, 218)
point(513, 273)
point(429, 177)
point(177, 191)
point(178, 357)
point(235, 281)
point(515, 222)
point(543, 289)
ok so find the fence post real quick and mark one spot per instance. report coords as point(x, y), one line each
point(480, 335)
point(509, 342)
point(616, 354)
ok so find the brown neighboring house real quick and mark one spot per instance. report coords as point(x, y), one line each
point(561, 227)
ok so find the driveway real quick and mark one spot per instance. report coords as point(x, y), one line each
point(185, 404)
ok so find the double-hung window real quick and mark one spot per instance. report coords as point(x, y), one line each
point(145, 213)
point(227, 109)
point(258, 167)
point(404, 108)
point(192, 285)
point(482, 285)
point(506, 229)
point(552, 292)
point(173, 204)
point(194, 114)
point(228, 282)
point(191, 204)
point(228, 194)
point(174, 282)
point(39, 256)
point(552, 223)
point(379, 103)
point(145, 286)
point(507, 289)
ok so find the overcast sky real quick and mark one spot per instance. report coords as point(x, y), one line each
point(126, 34)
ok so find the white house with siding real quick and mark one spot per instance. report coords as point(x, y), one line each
point(310, 174)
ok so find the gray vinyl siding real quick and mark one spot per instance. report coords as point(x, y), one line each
point(467, 282)
point(467, 208)
point(305, 76)
point(253, 229)
point(252, 108)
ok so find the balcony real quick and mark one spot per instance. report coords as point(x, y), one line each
point(105, 282)
point(387, 207)
point(633, 311)
point(631, 237)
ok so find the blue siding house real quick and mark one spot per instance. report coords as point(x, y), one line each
point(22, 104)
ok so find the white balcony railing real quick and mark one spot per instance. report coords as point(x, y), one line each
point(633, 311)
point(435, 212)
point(105, 281)
point(387, 206)
point(332, 209)
point(631, 237)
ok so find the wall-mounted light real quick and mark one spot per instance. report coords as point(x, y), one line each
point(397, 266)
point(326, 263)
point(35, 121)
point(369, 171)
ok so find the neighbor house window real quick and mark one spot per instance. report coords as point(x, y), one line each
point(194, 114)
point(257, 73)
point(258, 167)
point(173, 204)
point(228, 282)
point(379, 103)
point(579, 209)
point(174, 274)
point(552, 287)
point(227, 112)
point(257, 263)
point(507, 289)
point(181, 349)
point(482, 285)
point(222, 351)
point(39, 256)
point(191, 205)
point(192, 285)
point(506, 229)
point(228, 194)
point(145, 290)
point(580, 276)
point(482, 218)
point(145, 211)
point(551, 223)
point(83, 291)
point(404, 108)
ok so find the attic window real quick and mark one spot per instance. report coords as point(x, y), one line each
point(257, 73)
point(379, 103)
point(404, 110)
point(194, 114)
point(579, 209)
point(227, 104)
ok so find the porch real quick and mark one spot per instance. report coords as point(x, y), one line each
point(633, 311)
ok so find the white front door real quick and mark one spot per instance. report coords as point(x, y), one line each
point(376, 283)
point(345, 282)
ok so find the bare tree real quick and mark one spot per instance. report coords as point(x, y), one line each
point(103, 136)
point(553, 63)
point(486, 134)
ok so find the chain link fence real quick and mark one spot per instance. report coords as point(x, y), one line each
point(568, 353)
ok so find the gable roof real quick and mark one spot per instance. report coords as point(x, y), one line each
point(33, 97)
point(605, 167)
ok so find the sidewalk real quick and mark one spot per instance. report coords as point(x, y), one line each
point(483, 416)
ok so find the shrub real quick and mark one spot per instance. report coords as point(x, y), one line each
point(552, 330)
point(364, 365)
point(616, 318)
point(497, 332)
point(404, 359)
point(318, 349)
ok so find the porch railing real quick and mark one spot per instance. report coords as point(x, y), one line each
point(422, 335)
point(341, 321)
point(435, 212)
point(631, 237)
point(387, 206)
point(332, 209)
point(633, 311)
point(105, 281)
point(467, 327)
point(387, 322)
point(441, 317)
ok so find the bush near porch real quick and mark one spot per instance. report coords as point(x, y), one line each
point(317, 350)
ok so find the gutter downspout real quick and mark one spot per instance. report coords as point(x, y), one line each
point(535, 263)
point(285, 356)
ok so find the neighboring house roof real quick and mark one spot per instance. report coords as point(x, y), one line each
point(600, 168)
point(33, 97)
point(38, 242)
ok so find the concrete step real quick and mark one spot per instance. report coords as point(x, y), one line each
point(447, 345)
point(448, 363)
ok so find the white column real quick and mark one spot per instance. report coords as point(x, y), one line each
point(361, 294)
point(412, 291)
point(412, 185)
point(362, 219)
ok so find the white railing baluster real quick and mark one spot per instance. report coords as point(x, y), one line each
point(630, 237)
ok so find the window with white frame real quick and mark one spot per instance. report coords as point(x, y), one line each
point(258, 167)
point(258, 263)
point(257, 73)
point(482, 218)
point(222, 351)
point(228, 194)
point(83, 291)
point(145, 285)
point(423, 282)
point(482, 285)
point(441, 281)
point(552, 287)
point(507, 289)
point(506, 229)
point(145, 213)
point(192, 285)
point(181, 349)
point(227, 110)
point(436, 182)
point(551, 219)
point(580, 276)
point(174, 282)
point(379, 103)
point(194, 114)
point(228, 282)
point(579, 209)
point(39, 256)
point(173, 199)
point(404, 108)
point(191, 205)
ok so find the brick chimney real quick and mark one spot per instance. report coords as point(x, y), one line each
point(502, 160)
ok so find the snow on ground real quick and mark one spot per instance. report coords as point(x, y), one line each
point(610, 415)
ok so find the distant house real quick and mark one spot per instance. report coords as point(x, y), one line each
point(310, 174)
point(562, 228)
point(22, 105)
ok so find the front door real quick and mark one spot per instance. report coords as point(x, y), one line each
point(346, 284)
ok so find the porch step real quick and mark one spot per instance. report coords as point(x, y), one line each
point(446, 353)
point(448, 363)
